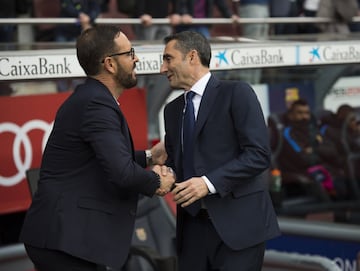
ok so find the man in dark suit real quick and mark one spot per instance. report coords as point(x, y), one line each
point(84, 210)
point(224, 213)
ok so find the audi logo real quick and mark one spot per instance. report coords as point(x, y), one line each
point(22, 139)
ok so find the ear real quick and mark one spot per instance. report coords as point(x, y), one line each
point(109, 65)
point(193, 55)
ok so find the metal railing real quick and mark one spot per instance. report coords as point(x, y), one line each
point(285, 261)
point(25, 32)
point(212, 21)
point(14, 258)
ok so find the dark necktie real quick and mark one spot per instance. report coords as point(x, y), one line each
point(188, 136)
point(188, 146)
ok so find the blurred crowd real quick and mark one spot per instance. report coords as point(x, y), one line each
point(318, 154)
point(181, 14)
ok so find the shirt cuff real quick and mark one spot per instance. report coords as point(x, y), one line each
point(211, 187)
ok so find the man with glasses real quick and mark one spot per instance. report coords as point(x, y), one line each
point(82, 215)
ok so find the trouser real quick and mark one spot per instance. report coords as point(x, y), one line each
point(203, 250)
point(54, 260)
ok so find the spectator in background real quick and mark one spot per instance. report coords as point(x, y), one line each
point(355, 27)
point(284, 8)
point(7, 10)
point(11, 9)
point(309, 9)
point(190, 9)
point(305, 157)
point(332, 126)
point(147, 10)
point(45, 9)
point(253, 9)
point(157, 87)
point(341, 12)
point(343, 129)
point(85, 10)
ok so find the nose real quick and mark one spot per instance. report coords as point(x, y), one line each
point(306, 116)
point(163, 68)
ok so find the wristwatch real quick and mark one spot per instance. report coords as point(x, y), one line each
point(148, 157)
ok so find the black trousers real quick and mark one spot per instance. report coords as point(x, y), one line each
point(53, 260)
point(203, 249)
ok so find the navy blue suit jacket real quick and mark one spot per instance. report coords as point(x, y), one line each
point(232, 150)
point(89, 184)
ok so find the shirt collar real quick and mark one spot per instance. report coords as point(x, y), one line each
point(199, 86)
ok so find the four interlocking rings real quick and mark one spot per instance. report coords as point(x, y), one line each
point(22, 139)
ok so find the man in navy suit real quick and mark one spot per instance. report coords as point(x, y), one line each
point(82, 215)
point(224, 213)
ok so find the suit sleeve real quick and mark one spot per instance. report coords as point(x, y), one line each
point(107, 132)
point(250, 138)
point(140, 158)
point(168, 145)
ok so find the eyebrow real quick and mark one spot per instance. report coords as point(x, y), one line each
point(166, 56)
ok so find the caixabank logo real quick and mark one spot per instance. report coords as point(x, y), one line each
point(221, 59)
point(314, 55)
point(247, 58)
point(334, 54)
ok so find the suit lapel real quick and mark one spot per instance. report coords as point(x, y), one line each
point(207, 101)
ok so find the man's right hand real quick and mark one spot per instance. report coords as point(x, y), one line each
point(167, 179)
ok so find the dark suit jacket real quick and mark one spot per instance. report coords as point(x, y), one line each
point(231, 149)
point(89, 181)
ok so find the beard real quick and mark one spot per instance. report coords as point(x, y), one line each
point(301, 124)
point(124, 78)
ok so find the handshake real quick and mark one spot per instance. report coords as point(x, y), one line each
point(167, 179)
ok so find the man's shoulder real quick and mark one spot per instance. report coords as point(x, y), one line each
point(235, 83)
point(236, 87)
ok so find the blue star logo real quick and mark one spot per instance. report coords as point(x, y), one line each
point(221, 56)
point(314, 54)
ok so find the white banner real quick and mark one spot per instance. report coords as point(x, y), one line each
point(62, 63)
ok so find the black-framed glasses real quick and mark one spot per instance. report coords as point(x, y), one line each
point(129, 53)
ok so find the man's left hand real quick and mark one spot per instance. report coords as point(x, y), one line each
point(187, 192)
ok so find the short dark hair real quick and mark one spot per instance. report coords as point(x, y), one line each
point(299, 102)
point(94, 44)
point(343, 111)
point(190, 40)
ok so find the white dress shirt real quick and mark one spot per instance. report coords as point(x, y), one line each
point(199, 89)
